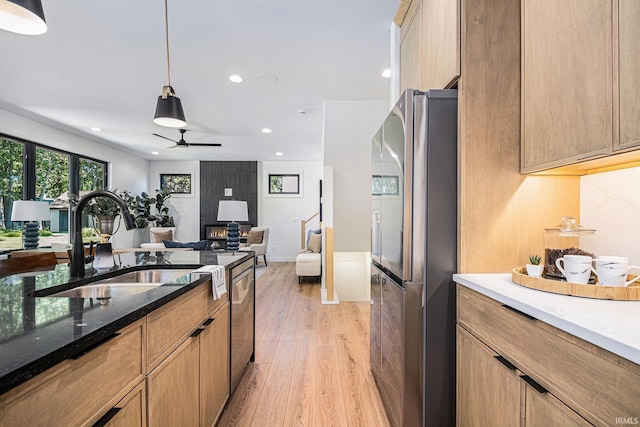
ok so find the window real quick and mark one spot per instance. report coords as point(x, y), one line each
point(30, 171)
point(11, 170)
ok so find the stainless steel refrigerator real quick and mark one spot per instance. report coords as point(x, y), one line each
point(414, 226)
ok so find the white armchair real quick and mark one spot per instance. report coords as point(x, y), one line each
point(261, 247)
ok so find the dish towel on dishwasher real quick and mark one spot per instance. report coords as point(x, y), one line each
point(218, 282)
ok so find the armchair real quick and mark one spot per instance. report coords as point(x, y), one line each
point(261, 247)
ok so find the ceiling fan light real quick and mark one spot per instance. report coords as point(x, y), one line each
point(22, 17)
point(169, 111)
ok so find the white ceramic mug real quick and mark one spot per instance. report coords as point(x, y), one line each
point(576, 268)
point(613, 270)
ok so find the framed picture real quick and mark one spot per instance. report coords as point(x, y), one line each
point(387, 185)
point(284, 183)
point(176, 183)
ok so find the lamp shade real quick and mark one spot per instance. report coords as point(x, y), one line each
point(22, 17)
point(169, 111)
point(30, 210)
point(232, 210)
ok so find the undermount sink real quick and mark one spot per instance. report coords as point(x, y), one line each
point(131, 283)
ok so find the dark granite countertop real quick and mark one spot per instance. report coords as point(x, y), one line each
point(37, 332)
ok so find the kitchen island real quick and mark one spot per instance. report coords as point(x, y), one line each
point(46, 339)
point(546, 358)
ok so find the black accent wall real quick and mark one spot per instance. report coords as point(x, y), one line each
point(241, 177)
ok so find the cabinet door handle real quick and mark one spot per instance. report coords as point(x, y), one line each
point(93, 347)
point(533, 383)
point(197, 332)
point(208, 321)
point(515, 310)
point(107, 417)
point(506, 363)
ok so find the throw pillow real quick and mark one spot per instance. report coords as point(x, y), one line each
point(160, 236)
point(197, 246)
point(315, 242)
point(254, 237)
point(312, 231)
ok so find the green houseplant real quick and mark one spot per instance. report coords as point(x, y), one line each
point(141, 206)
point(535, 268)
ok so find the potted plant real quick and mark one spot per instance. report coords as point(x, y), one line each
point(141, 205)
point(535, 266)
point(105, 210)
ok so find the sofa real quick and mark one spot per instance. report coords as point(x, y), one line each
point(309, 260)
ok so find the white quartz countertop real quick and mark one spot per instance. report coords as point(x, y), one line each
point(612, 325)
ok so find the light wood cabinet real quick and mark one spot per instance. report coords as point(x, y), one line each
point(567, 82)
point(488, 393)
point(81, 388)
point(173, 387)
point(191, 385)
point(214, 367)
point(578, 380)
point(441, 35)
point(411, 49)
point(129, 412)
point(430, 44)
point(628, 19)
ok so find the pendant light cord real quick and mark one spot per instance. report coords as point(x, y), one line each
point(166, 28)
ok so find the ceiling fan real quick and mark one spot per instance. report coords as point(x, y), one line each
point(184, 144)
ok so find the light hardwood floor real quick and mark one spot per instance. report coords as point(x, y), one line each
point(312, 360)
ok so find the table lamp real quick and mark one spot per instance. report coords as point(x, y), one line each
point(233, 210)
point(29, 212)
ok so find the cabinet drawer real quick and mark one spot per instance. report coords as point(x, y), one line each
point(597, 384)
point(170, 324)
point(73, 391)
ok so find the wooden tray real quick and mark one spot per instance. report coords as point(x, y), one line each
point(629, 293)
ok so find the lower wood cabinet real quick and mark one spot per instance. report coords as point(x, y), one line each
point(513, 367)
point(173, 387)
point(183, 382)
point(81, 389)
point(131, 411)
point(491, 390)
point(191, 386)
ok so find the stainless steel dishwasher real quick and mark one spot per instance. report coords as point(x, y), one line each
point(243, 298)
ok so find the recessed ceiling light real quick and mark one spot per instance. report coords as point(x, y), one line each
point(96, 129)
point(155, 153)
point(279, 153)
point(236, 78)
point(386, 73)
point(266, 130)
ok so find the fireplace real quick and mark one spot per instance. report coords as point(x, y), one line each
point(217, 234)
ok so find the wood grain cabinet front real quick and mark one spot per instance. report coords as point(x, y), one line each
point(131, 411)
point(191, 385)
point(81, 388)
point(573, 377)
point(567, 82)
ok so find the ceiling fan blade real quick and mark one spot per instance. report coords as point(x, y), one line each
point(212, 144)
point(172, 147)
point(161, 136)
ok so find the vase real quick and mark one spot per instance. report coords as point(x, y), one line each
point(105, 224)
point(535, 270)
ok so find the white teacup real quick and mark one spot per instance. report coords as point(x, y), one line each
point(613, 270)
point(576, 268)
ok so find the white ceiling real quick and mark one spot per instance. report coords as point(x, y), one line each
point(103, 64)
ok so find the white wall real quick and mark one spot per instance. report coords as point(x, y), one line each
point(282, 213)
point(185, 208)
point(610, 203)
point(349, 127)
point(126, 171)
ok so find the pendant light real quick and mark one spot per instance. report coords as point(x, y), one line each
point(22, 17)
point(169, 111)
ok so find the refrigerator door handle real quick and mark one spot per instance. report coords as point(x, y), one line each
point(423, 295)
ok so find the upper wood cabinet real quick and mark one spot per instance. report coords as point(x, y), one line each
point(430, 44)
point(567, 82)
point(442, 43)
point(629, 76)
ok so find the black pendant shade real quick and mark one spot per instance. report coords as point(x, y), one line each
point(22, 17)
point(169, 111)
